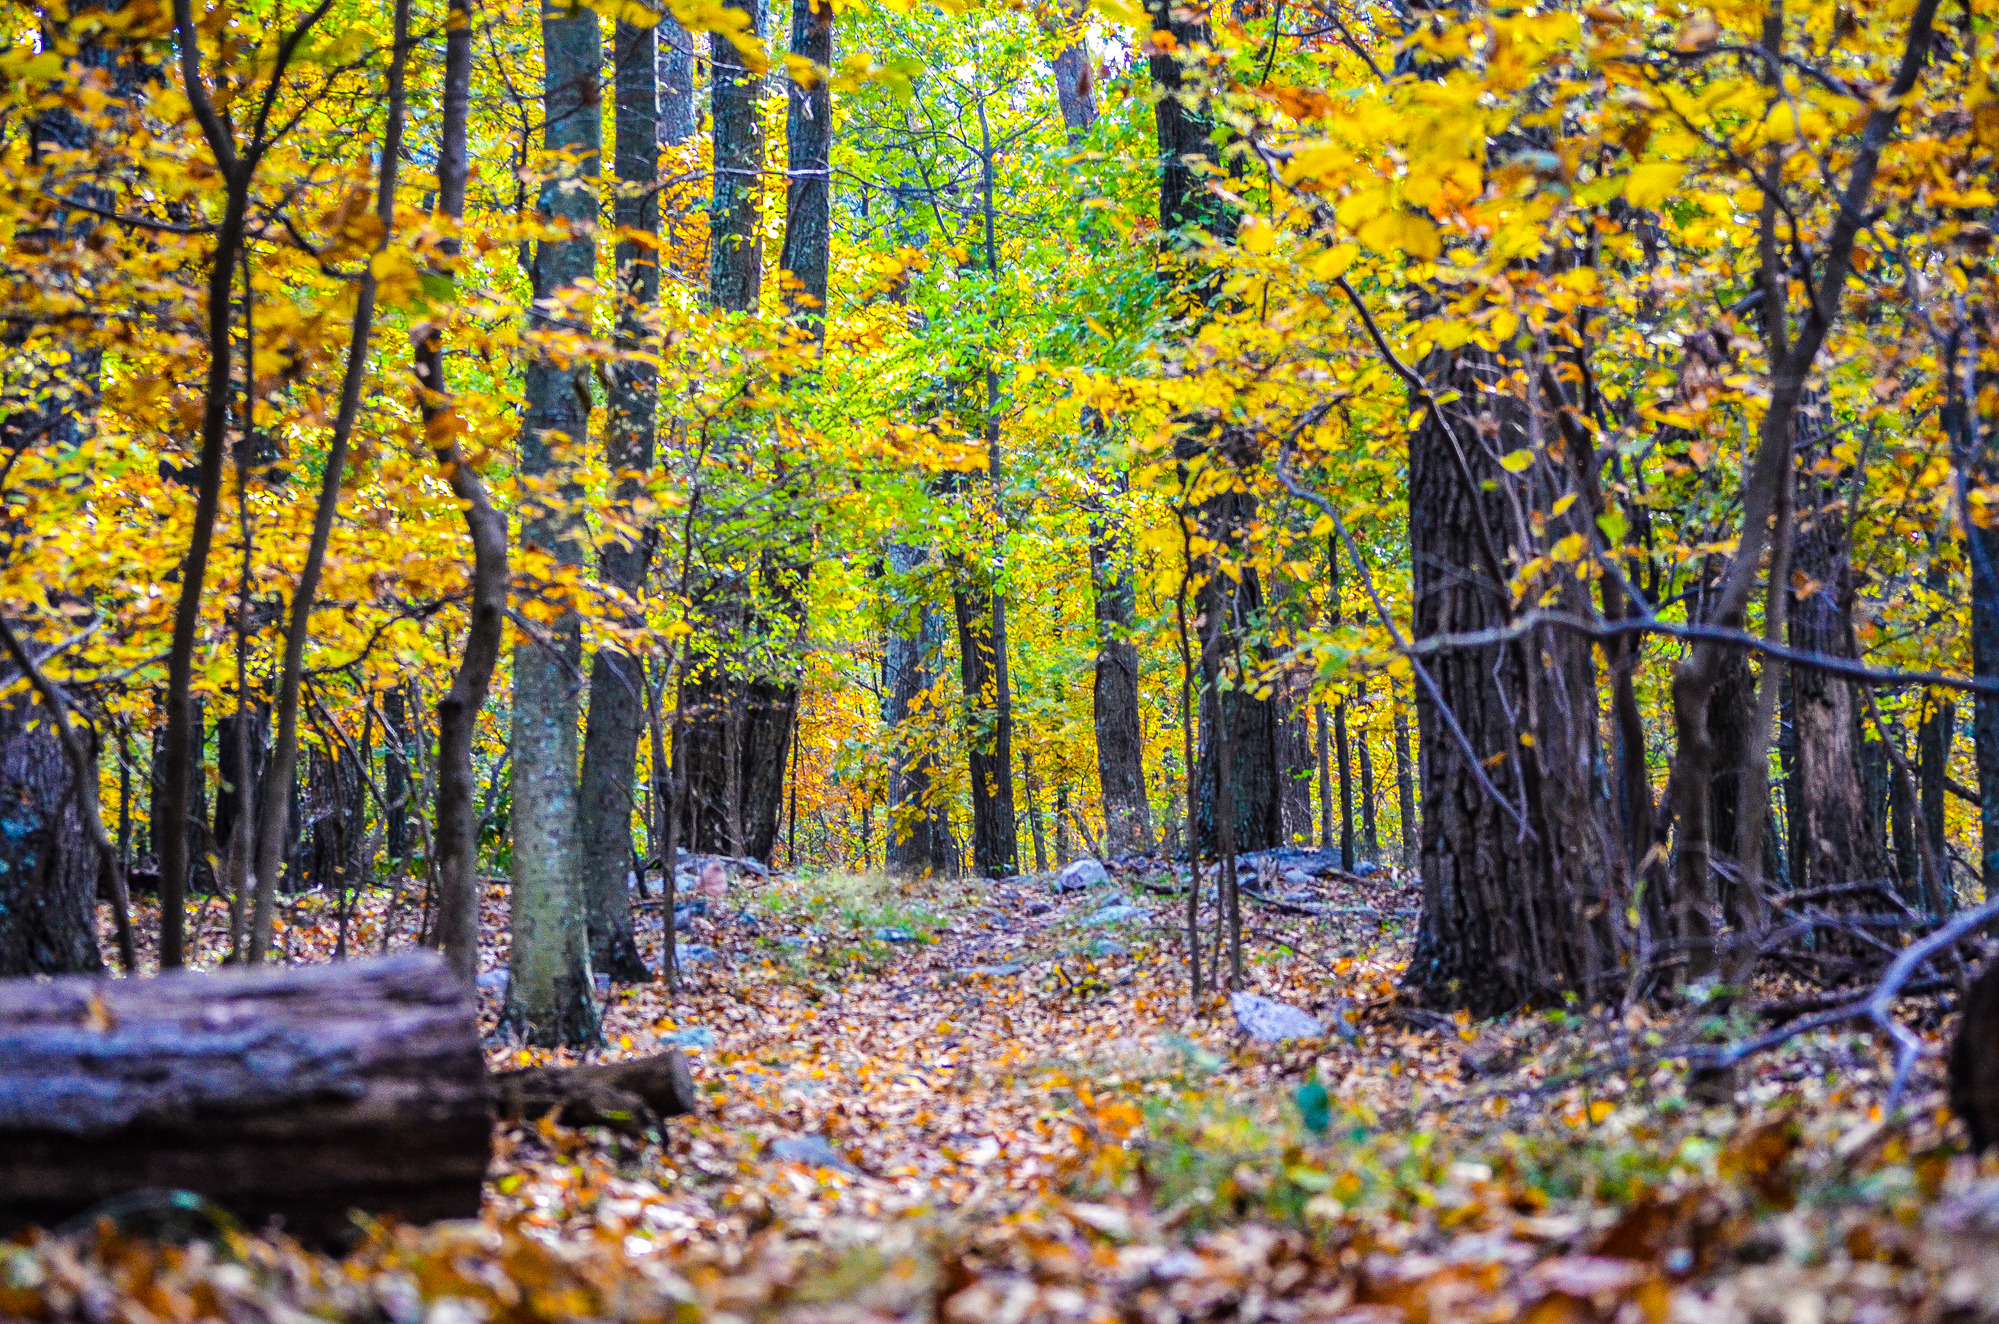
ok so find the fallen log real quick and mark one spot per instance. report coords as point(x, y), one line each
point(288, 1096)
point(633, 1097)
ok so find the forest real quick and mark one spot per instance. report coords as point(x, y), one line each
point(999, 660)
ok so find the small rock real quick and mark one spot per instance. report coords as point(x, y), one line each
point(694, 953)
point(1105, 947)
point(1038, 907)
point(603, 984)
point(1296, 898)
point(1297, 878)
point(797, 940)
point(1366, 869)
point(1113, 915)
point(714, 880)
point(996, 971)
point(812, 1151)
point(496, 980)
point(894, 935)
point(1081, 874)
point(694, 1036)
point(1269, 1021)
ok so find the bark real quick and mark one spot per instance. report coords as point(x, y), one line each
point(633, 1096)
point(808, 217)
point(679, 111)
point(1974, 1061)
point(1521, 896)
point(273, 1093)
point(1294, 762)
point(1405, 788)
point(549, 997)
point(740, 725)
point(1075, 90)
point(396, 784)
point(1370, 835)
point(1114, 691)
point(457, 929)
point(735, 249)
point(1836, 843)
point(48, 864)
point(1030, 786)
point(919, 835)
point(1323, 737)
point(1345, 758)
point(989, 739)
point(617, 713)
point(1933, 744)
point(1982, 547)
point(1230, 611)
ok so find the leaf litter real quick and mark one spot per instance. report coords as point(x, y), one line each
point(965, 1102)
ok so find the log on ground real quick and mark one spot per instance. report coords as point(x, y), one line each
point(633, 1096)
point(293, 1096)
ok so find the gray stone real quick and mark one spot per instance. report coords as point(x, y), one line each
point(1081, 874)
point(996, 971)
point(694, 953)
point(1297, 878)
point(497, 980)
point(1269, 1021)
point(1105, 947)
point(1366, 869)
point(811, 1151)
point(1113, 915)
point(894, 935)
point(694, 1036)
point(602, 982)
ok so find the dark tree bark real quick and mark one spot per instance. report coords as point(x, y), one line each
point(294, 1095)
point(1114, 690)
point(808, 216)
point(238, 734)
point(633, 1096)
point(679, 109)
point(396, 783)
point(735, 250)
point(617, 714)
point(1295, 763)
point(1933, 743)
point(919, 835)
point(1229, 612)
point(1983, 550)
point(1075, 90)
point(1521, 895)
point(1405, 788)
point(1836, 844)
point(981, 670)
point(48, 862)
point(549, 997)
point(457, 929)
point(1322, 735)
point(1370, 835)
point(1345, 759)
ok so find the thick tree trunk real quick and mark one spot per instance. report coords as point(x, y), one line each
point(735, 246)
point(1521, 896)
point(1982, 547)
point(1252, 723)
point(48, 862)
point(808, 216)
point(549, 997)
point(293, 1095)
point(1295, 763)
point(1837, 845)
point(617, 706)
point(919, 835)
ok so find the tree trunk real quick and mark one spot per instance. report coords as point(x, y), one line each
point(1030, 786)
point(1837, 844)
point(617, 713)
point(1114, 690)
point(919, 836)
point(1982, 548)
point(1341, 750)
point(995, 840)
point(48, 861)
point(1252, 723)
point(1322, 734)
point(293, 1095)
point(1522, 900)
point(808, 216)
point(1370, 835)
point(1933, 740)
point(1405, 788)
point(549, 997)
point(457, 929)
point(396, 784)
point(735, 248)
point(1294, 760)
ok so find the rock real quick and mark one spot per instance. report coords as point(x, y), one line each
point(894, 935)
point(995, 971)
point(1269, 1021)
point(694, 953)
point(812, 1152)
point(1113, 915)
point(603, 984)
point(694, 1036)
point(497, 980)
point(1297, 878)
point(1366, 869)
point(1105, 947)
point(714, 881)
point(1038, 908)
point(1081, 874)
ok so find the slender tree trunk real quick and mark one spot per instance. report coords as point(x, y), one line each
point(1114, 689)
point(1933, 744)
point(550, 1000)
point(1405, 788)
point(1341, 751)
point(995, 842)
point(396, 786)
point(271, 804)
point(457, 843)
point(1031, 785)
point(617, 707)
point(1322, 734)
point(1983, 550)
point(735, 248)
point(919, 837)
point(1370, 836)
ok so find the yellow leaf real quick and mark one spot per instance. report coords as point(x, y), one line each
point(1652, 184)
point(1400, 231)
point(1517, 461)
point(1333, 263)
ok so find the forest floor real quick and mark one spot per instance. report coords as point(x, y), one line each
point(986, 1102)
